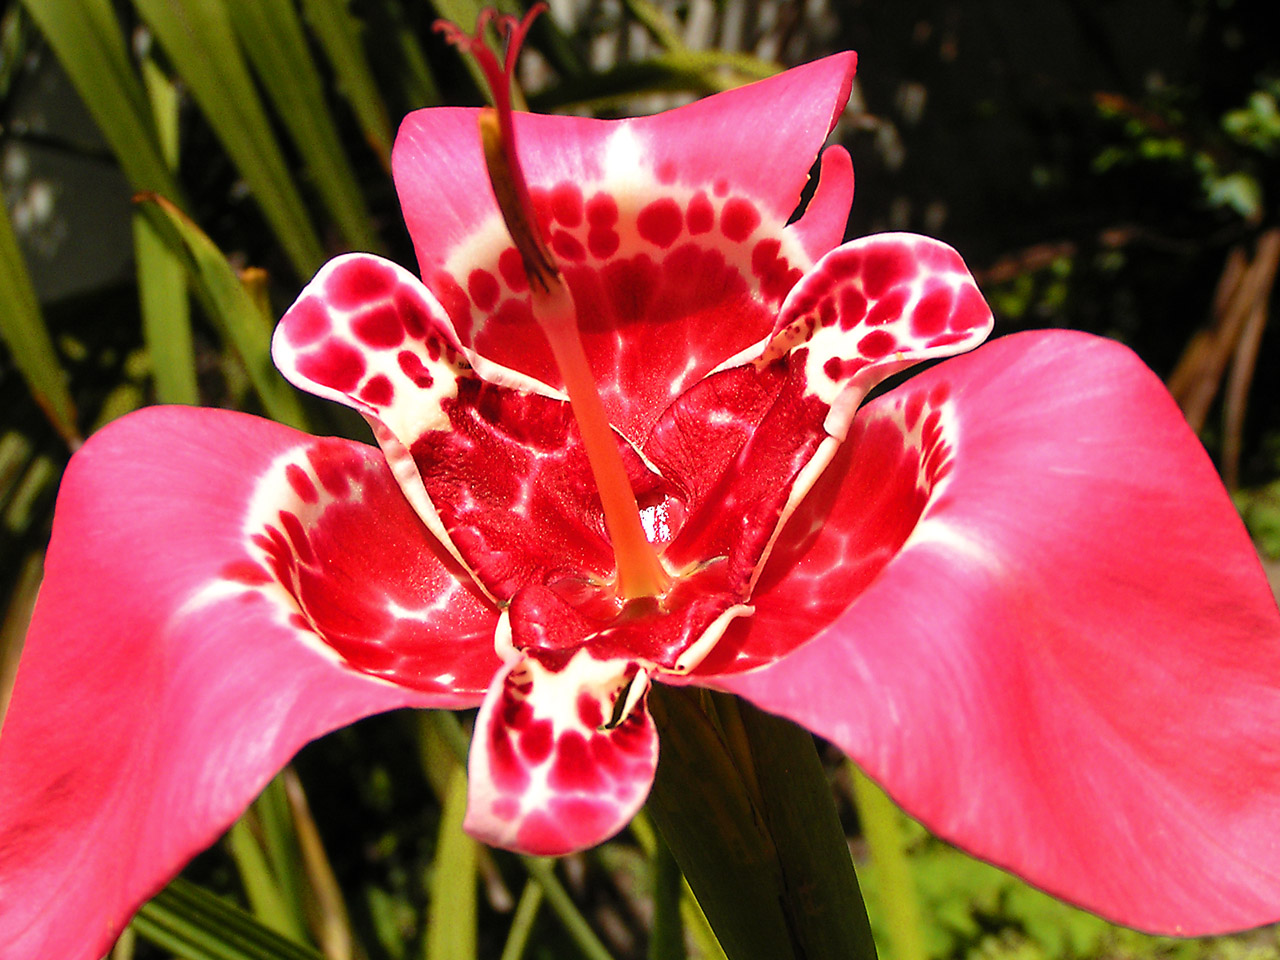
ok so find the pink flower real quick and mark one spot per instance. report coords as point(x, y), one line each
point(1013, 588)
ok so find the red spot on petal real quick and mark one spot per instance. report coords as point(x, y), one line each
point(911, 412)
point(661, 222)
point(602, 210)
point(413, 313)
point(358, 282)
point(939, 394)
point(306, 322)
point(539, 835)
point(738, 219)
point(932, 312)
point(506, 808)
point(378, 391)
point(335, 364)
point(508, 772)
point(853, 306)
point(380, 328)
point(721, 187)
point(887, 309)
point(512, 269)
point(567, 246)
point(701, 216)
point(297, 536)
point(573, 768)
point(877, 344)
point(589, 713)
point(885, 268)
point(536, 740)
point(330, 471)
point(301, 483)
point(246, 572)
point(666, 172)
point(566, 204)
point(413, 368)
point(603, 242)
point(483, 288)
point(454, 300)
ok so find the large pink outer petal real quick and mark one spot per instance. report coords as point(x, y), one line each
point(143, 720)
point(1072, 666)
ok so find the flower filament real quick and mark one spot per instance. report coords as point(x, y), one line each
point(640, 572)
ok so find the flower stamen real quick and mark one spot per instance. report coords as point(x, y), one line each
point(640, 571)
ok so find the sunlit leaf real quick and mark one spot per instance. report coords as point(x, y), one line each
point(193, 923)
point(229, 305)
point(90, 45)
point(272, 35)
point(199, 41)
point(339, 34)
point(22, 327)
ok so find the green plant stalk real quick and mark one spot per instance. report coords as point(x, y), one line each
point(451, 917)
point(900, 902)
point(522, 921)
point(22, 327)
point(666, 940)
point(162, 285)
point(745, 805)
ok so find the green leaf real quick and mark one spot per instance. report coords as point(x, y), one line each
point(196, 924)
point(230, 306)
point(743, 801)
point(90, 46)
point(22, 327)
point(522, 922)
point(162, 285)
point(197, 36)
point(451, 919)
point(271, 33)
point(269, 902)
point(339, 34)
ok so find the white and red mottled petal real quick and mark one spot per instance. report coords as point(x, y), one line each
point(563, 754)
point(490, 459)
point(167, 675)
point(746, 444)
point(1044, 629)
point(677, 258)
point(874, 307)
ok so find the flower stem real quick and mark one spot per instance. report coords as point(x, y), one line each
point(745, 805)
point(882, 828)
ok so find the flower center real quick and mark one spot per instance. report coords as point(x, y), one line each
point(640, 570)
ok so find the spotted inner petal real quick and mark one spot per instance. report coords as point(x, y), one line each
point(563, 755)
point(382, 595)
point(493, 464)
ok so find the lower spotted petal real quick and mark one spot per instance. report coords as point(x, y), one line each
point(563, 755)
point(1057, 649)
point(168, 673)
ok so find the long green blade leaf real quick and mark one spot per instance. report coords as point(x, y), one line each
point(198, 925)
point(22, 328)
point(451, 919)
point(162, 283)
point(197, 36)
point(90, 45)
point(272, 35)
point(339, 34)
point(229, 304)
